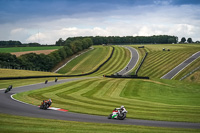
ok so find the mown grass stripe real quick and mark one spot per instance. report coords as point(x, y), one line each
point(141, 100)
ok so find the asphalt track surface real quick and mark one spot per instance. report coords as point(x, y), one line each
point(132, 63)
point(10, 106)
point(181, 66)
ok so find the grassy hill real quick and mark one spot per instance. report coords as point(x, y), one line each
point(38, 125)
point(160, 62)
point(155, 99)
point(167, 100)
point(23, 73)
point(120, 59)
point(88, 61)
point(91, 60)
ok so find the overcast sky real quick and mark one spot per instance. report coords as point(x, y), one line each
point(45, 21)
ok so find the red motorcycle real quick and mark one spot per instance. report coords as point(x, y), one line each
point(46, 104)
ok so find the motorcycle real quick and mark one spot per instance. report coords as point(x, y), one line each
point(45, 105)
point(118, 114)
point(8, 89)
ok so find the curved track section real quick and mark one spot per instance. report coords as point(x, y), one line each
point(181, 66)
point(10, 106)
point(132, 63)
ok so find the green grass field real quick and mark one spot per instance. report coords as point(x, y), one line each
point(22, 49)
point(11, 123)
point(92, 59)
point(155, 99)
point(189, 68)
point(167, 100)
point(21, 82)
point(87, 62)
point(160, 62)
point(195, 77)
point(120, 59)
point(23, 73)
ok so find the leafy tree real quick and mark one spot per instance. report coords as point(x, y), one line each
point(8, 60)
point(29, 61)
point(183, 39)
point(57, 56)
point(89, 40)
point(189, 40)
point(60, 42)
point(62, 53)
point(67, 42)
point(171, 40)
point(78, 44)
point(68, 50)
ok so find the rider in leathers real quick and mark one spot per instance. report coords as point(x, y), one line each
point(48, 102)
point(122, 108)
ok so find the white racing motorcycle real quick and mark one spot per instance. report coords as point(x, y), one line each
point(118, 114)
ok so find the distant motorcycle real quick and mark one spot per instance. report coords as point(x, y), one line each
point(46, 104)
point(118, 114)
point(8, 89)
point(46, 81)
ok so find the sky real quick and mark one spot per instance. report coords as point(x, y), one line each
point(45, 21)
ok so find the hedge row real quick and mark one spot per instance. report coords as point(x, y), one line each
point(42, 62)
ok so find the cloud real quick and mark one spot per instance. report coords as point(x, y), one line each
point(160, 17)
point(162, 2)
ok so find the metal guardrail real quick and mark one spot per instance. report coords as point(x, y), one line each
point(126, 76)
point(190, 73)
point(141, 63)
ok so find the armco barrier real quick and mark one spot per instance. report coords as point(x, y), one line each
point(141, 63)
point(126, 76)
point(48, 76)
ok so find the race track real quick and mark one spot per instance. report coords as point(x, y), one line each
point(132, 63)
point(10, 106)
point(181, 66)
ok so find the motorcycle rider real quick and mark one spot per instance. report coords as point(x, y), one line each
point(118, 113)
point(49, 102)
point(122, 108)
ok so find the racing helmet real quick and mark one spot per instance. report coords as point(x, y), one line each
point(50, 100)
point(122, 107)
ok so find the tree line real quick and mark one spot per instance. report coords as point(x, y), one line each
point(189, 40)
point(98, 40)
point(42, 62)
point(12, 43)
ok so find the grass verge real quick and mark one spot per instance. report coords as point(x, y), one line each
point(11, 123)
point(21, 82)
point(166, 100)
point(23, 73)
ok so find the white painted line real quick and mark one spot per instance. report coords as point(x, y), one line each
point(51, 108)
point(18, 100)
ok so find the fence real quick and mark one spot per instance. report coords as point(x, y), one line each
point(190, 73)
